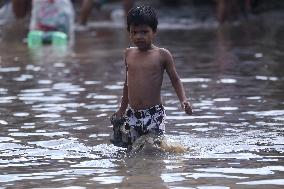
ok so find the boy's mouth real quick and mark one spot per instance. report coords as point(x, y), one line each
point(140, 43)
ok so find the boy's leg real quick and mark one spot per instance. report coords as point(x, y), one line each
point(21, 7)
point(85, 12)
point(156, 120)
point(145, 121)
point(127, 4)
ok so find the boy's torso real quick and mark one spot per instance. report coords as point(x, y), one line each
point(145, 77)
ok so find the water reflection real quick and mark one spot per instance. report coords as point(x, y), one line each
point(38, 54)
point(54, 114)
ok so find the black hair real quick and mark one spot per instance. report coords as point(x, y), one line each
point(142, 15)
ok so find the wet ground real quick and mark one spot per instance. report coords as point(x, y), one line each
point(55, 105)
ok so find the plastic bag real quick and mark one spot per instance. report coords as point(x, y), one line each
point(52, 15)
point(6, 14)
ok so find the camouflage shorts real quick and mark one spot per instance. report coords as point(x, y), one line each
point(142, 122)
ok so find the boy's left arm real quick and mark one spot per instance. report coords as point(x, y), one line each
point(176, 82)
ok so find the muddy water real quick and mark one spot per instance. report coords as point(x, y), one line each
point(55, 104)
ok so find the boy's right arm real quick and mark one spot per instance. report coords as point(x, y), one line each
point(124, 99)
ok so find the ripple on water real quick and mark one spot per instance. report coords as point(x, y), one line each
point(266, 113)
point(191, 124)
point(7, 99)
point(107, 150)
point(92, 82)
point(108, 179)
point(236, 145)
point(3, 122)
point(268, 170)
point(113, 87)
point(102, 115)
point(6, 139)
point(105, 107)
point(195, 80)
point(21, 114)
point(37, 94)
point(19, 177)
point(221, 99)
point(67, 187)
point(205, 129)
point(24, 77)
point(227, 108)
point(54, 107)
point(9, 69)
point(80, 119)
point(67, 87)
point(264, 182)
point(99, 163)
point(213, 175)
point(48, 115)
point(227, 81)
point(62, 143)
point(10, 146)
point(177, 177)
point(44, 82)
point(28, 127)
point(101, 97)
point(3, 91)
point(33, 67)
point(265, 78)
point(203, 103)
point(254, 98)
point(47, 134)
point(81, 128)
point(279, 118)
point(42, 175)
point(69, 124)
point(59, 64)
point(42, 98)
point(173, 177)
point(193, 117)
point(40, 90)
point(99, 136)
point(62, 149)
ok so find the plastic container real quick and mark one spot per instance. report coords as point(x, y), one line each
point(59, 38)
point(35, 38)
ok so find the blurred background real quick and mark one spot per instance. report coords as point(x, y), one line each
point(56, 98)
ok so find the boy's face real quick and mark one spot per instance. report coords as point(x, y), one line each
point(142, 36)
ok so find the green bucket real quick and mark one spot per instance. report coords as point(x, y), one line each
point(35, 38)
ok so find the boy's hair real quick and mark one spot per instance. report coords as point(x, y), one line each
point(142, 15)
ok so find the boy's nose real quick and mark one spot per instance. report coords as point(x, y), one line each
point(139, 36)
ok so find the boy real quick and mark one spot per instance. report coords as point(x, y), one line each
point(145, 65)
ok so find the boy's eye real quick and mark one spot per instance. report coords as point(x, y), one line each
point(140, 32)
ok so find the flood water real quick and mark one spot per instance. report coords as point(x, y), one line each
point(55, 108)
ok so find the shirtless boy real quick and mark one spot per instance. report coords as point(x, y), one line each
point(145, 64)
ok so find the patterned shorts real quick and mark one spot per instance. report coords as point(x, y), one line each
point(142, 122)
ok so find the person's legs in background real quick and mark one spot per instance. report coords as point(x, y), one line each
point(87, 7)
point(85, 12)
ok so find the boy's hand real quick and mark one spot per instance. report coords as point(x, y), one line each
point(118, 113)
point(117, 118)
point(187, 107)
